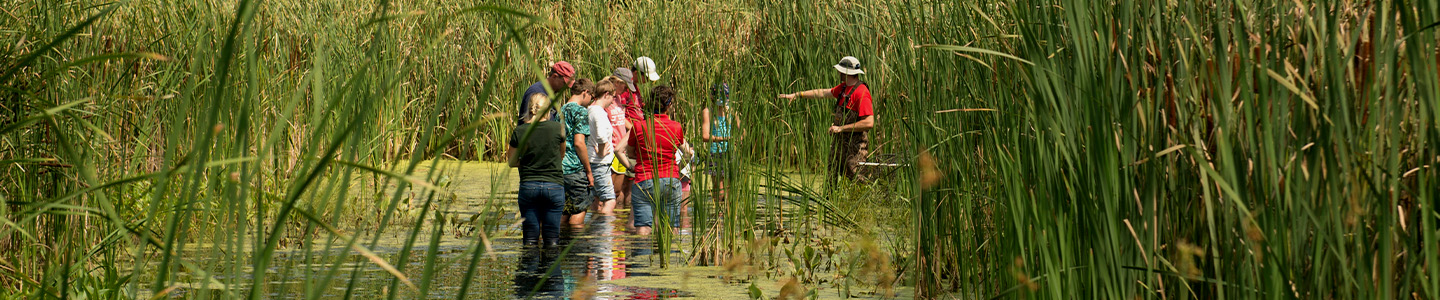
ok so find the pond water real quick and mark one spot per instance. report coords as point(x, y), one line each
point(602, 260)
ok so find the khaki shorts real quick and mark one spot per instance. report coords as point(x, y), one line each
point(578, 193)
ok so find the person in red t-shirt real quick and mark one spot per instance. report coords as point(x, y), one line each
point(657, 178)
point(853, 117)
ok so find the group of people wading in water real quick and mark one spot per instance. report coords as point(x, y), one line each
point(607, 144)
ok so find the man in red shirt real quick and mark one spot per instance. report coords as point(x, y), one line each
point(853, 117)
point(657, 178)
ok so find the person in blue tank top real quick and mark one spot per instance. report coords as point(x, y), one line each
point(715, 129)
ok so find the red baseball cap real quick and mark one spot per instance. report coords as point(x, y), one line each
point(563, 69)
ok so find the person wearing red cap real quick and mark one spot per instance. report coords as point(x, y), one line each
point(560, 77)
point(853, 117)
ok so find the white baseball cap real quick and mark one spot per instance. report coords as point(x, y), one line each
point(646, 66)
point(849, 66)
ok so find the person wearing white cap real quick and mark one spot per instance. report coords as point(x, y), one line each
point(853, 116)
point(646, 66)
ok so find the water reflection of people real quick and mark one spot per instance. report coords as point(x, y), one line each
point(601, 255)
point(535, 278)
point(640, 247)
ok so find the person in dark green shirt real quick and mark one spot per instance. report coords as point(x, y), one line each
point(536, 148)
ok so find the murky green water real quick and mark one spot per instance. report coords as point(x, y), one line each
point(600, 261)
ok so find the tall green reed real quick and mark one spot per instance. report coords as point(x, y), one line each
point(206, 144)
point(1211, 149)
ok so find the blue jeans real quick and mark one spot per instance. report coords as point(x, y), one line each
point(647, 194)
point(541, 204)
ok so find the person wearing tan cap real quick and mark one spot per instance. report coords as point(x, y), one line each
point(560, 77)
point(853, 117)
point(629, 98)
point(630, 103)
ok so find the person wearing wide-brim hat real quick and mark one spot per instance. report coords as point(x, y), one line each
point(853, 117)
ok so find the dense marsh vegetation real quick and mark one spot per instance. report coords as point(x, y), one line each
point(1049, 149)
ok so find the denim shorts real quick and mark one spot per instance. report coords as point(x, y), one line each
point(604, 188)
point(578, 193)
point(718, 164)
point(646, 195)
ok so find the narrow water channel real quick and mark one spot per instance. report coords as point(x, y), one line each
point(589, 262)
point(601, 260)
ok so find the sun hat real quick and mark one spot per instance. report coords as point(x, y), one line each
point(564, 69)
point(849, 66)
point(647, 66)
point(627, 76)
